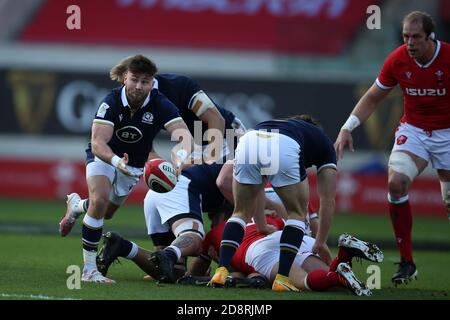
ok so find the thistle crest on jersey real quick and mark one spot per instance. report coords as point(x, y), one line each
point(159, 175)
point(147, 118)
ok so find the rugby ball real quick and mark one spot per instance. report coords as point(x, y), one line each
point(160, 175)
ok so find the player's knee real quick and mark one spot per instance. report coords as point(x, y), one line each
point(398, 186)
point(190, 232)
point(403, 165)
point(98, 205)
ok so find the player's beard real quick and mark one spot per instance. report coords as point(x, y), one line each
point(136, 97)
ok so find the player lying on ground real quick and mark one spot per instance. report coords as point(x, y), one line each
point(198, 272)
point(258, 253)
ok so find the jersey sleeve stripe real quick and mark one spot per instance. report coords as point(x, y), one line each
point(104, 122)
point(170, 122)
point(382, 86)
point(313, 215)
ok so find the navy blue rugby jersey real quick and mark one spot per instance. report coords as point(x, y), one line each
point(179, 89)
point(203, 181)
point(134, 135)
point(316, 148)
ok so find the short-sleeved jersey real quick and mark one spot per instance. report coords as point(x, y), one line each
point(180, 90)
point(134, 135)
point(203, 182)
point(316, 148)
point(426, 88)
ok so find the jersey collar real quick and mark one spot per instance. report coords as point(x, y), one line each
point(125, 103)
point(436, 52)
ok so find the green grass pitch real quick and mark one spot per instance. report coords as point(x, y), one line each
point(34, 259)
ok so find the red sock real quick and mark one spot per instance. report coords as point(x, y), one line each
point(343, 256)
point(319, 280)
point(401, 218)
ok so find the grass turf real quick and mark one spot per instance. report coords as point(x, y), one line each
point(46, 215)
point(33, 264)
point(36, 265)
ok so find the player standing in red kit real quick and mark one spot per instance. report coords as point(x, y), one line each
point(422, 69)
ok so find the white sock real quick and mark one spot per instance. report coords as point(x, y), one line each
point(89, 260)
point(79, 207)
point(89, 257)
point(176, 250)
point(134, 251)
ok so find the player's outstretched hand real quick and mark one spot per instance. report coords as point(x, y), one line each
point(344, 138)
point(122, 165)
point(268, 229)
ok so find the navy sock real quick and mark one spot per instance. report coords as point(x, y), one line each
point(233, 233)
point(86, 205)
point(171, 254)
point(125, 248)
point(290, 241)
point(91, 237)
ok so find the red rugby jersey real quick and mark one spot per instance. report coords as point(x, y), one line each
point(214, 237)
point(426, 88)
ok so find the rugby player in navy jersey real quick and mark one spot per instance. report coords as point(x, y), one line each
point(177, 213)
point(196, 107)
point(123, 130)
point(279, 151)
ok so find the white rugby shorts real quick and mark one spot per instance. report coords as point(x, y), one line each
point(432, 146)
point(121, 183)
point(263, 254)
point(261, 153)
point(161, 207)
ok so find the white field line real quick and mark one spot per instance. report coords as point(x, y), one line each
point(32, 296)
